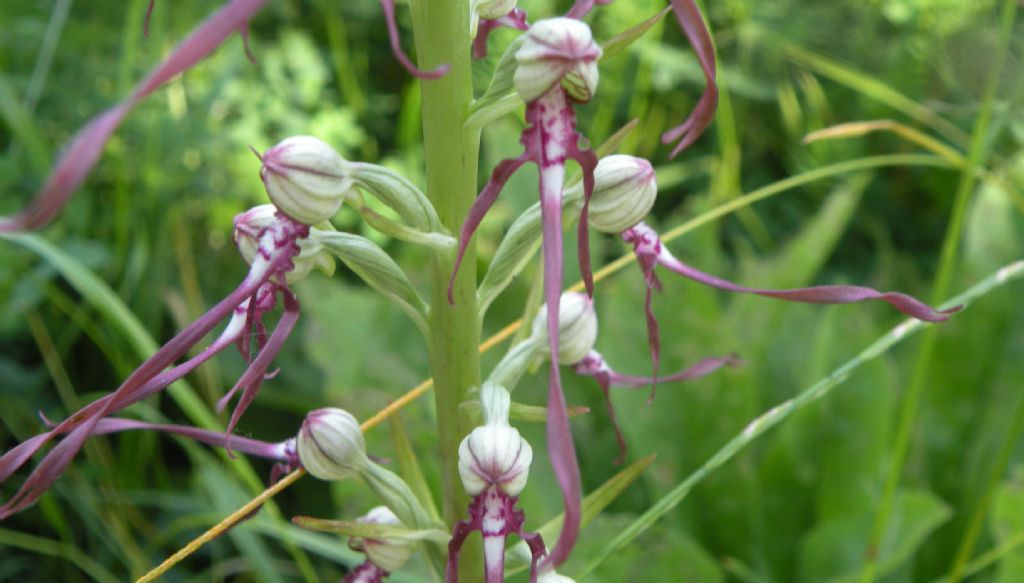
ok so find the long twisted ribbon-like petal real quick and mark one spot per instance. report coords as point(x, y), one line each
point(85, 148)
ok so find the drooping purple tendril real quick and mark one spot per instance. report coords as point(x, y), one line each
point(83, 151)
point(650, 253)
point(595, 366)
point(253, 376)
point(481, 205)
point(692, 22)
point(493, 513)
point(275, 258)
point(515, 19)
point(388, 6)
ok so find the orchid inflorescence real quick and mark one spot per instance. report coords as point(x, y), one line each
point(553, 67)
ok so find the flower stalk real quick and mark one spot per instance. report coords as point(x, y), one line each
point(441, 29)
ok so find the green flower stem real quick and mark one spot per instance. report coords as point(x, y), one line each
point(442, 36)
point(943, 283)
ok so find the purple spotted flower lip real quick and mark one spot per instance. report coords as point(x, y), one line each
point(254, 296)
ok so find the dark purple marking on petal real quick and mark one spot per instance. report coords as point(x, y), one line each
point(84, 149)
point(515, 19)
point(388, 6)
point(141, 382)
point(483, 203)
point(822, 294)
point(692, 22)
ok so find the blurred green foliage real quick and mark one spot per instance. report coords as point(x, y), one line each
point(153, 222)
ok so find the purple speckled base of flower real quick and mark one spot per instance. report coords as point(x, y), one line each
point(493, 513)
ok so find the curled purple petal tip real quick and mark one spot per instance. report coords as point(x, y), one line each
point(692, 22)
point(85, 148)
point(388, 6)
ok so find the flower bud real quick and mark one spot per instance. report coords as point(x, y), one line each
point(387, 554)
point(494, 455)
point(557, 50)
point(624, 192)
point(331, 445)
point(248, 226)
point(306, 179)
point(577, 328)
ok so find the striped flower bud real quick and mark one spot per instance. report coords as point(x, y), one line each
point(557, 50)
point(494, 455)
point(331, 445)
point(624, 192)
point(306, 179)
point(577, 328)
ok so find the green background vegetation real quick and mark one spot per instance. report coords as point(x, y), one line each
point(153, 222)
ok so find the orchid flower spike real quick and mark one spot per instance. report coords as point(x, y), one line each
point(594, 365)
point(557, 67)
point(650, 253)
point(494, 463)
point(277, 246)
point(383, 556)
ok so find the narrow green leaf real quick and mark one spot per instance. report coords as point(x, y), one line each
point(367, 260)
point(624, 39)
point(358, 529)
